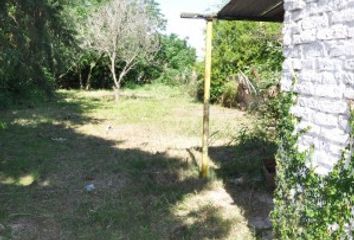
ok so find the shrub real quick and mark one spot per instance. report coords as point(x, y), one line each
point(229, 94)
point(307, 205)
point(249, 47)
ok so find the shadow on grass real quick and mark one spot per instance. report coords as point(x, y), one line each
point(240, 167)
point(45, 164)
point(209, 224)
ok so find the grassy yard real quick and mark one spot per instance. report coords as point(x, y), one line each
point(141, 155)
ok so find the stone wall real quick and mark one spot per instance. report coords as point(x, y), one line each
point(319, 51)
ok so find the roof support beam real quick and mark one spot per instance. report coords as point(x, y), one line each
point(272, 8)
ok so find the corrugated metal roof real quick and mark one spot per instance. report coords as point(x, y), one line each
point(254, 10)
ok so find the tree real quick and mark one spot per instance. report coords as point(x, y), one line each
point(176, 52)
point(175, 59)
point(83, 59)
point(33, 36)
point(126, 32)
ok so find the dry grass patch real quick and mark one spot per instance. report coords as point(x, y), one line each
point(211, 214)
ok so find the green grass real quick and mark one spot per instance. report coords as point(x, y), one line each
point(144, 169)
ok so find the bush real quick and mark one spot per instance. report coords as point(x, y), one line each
point(229, 94)
point(249, 47)
point(176, 59)
point(5, 99)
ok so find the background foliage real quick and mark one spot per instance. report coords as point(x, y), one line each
point(41, 49)
point(34, 42)
point(175, 60)
point(251, 47)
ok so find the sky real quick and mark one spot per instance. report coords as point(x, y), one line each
point(191, 29)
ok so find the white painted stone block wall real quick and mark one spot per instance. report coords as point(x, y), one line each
point(319, 51)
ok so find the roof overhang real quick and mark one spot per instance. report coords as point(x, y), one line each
point(253, 10)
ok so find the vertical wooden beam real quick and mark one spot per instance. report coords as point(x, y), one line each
point(205, 141)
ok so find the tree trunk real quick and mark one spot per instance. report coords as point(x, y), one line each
point(80, 80)
point(117, 82)
point(116, 87)
point(116, 94)
point(88, 81)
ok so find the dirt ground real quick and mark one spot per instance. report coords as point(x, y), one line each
point(82, 167)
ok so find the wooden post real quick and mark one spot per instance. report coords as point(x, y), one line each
point(205, 141)
point(204, 171)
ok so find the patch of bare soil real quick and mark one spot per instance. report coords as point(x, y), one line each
point(215, 112)
point(149, 138)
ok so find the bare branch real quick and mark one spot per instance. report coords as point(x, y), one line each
point(126, 32)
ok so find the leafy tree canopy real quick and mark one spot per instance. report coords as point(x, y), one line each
point(33, 35)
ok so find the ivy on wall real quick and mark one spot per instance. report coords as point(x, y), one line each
point(309, 206)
